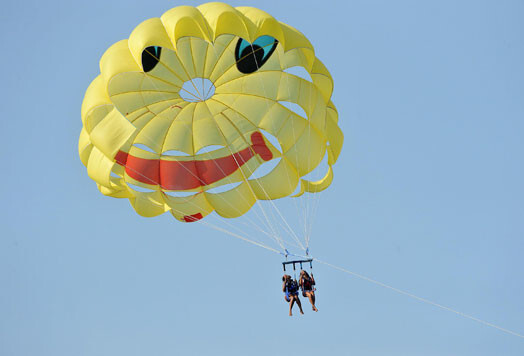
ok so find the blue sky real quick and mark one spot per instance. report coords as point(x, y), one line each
point(428, 196)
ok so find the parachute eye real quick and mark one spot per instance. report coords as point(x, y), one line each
point(150, 57)
point(251, 56)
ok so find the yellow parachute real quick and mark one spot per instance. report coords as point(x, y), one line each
point(188, 103)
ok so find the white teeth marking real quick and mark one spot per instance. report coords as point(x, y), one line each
point(197, 89)
point(144, 147)
point(175, 153)
point(140, 189)
point(265, 168)
point(223, 188)
point(180, 194)
point(297, 109)
point(299, 72)
point(209, 148)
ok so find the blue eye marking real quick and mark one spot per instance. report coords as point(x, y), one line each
point(251, 56)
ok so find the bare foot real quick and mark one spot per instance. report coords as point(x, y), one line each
point(301, 312)
point(290, 314)
point(315, 309)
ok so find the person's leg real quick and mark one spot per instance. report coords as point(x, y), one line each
point(307, 294)
point(299, 304)
point(311, 296)
point(292, 301)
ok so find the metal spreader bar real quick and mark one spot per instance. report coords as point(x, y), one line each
point(294, 263)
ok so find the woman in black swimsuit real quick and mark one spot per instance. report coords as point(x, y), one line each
point(306, 284)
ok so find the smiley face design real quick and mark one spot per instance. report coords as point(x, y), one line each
point(187, 109)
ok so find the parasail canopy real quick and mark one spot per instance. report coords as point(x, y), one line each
point(188, 110)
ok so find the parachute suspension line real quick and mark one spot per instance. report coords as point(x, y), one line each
point(285, 229)
point(274, 237)
point(301, 211)
point(316, 197)
point(312, 217)
point(193, 132)
point(275, 234)
point(307, 210)
point(269, 219)
point(277, 238)
point(238, 236)
point(302, 199)
point(313, 199)
point(306, 194)
point(290, 230)
point(277, 224)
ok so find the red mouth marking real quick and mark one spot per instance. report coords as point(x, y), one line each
point(184, 175)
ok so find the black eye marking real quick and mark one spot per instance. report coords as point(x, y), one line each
point(251, 56)
point(150, 57)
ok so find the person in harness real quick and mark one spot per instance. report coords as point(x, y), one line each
point(290, 288)
point(307, 283)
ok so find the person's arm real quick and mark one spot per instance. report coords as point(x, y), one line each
point(312, 280)
point(284, 286)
